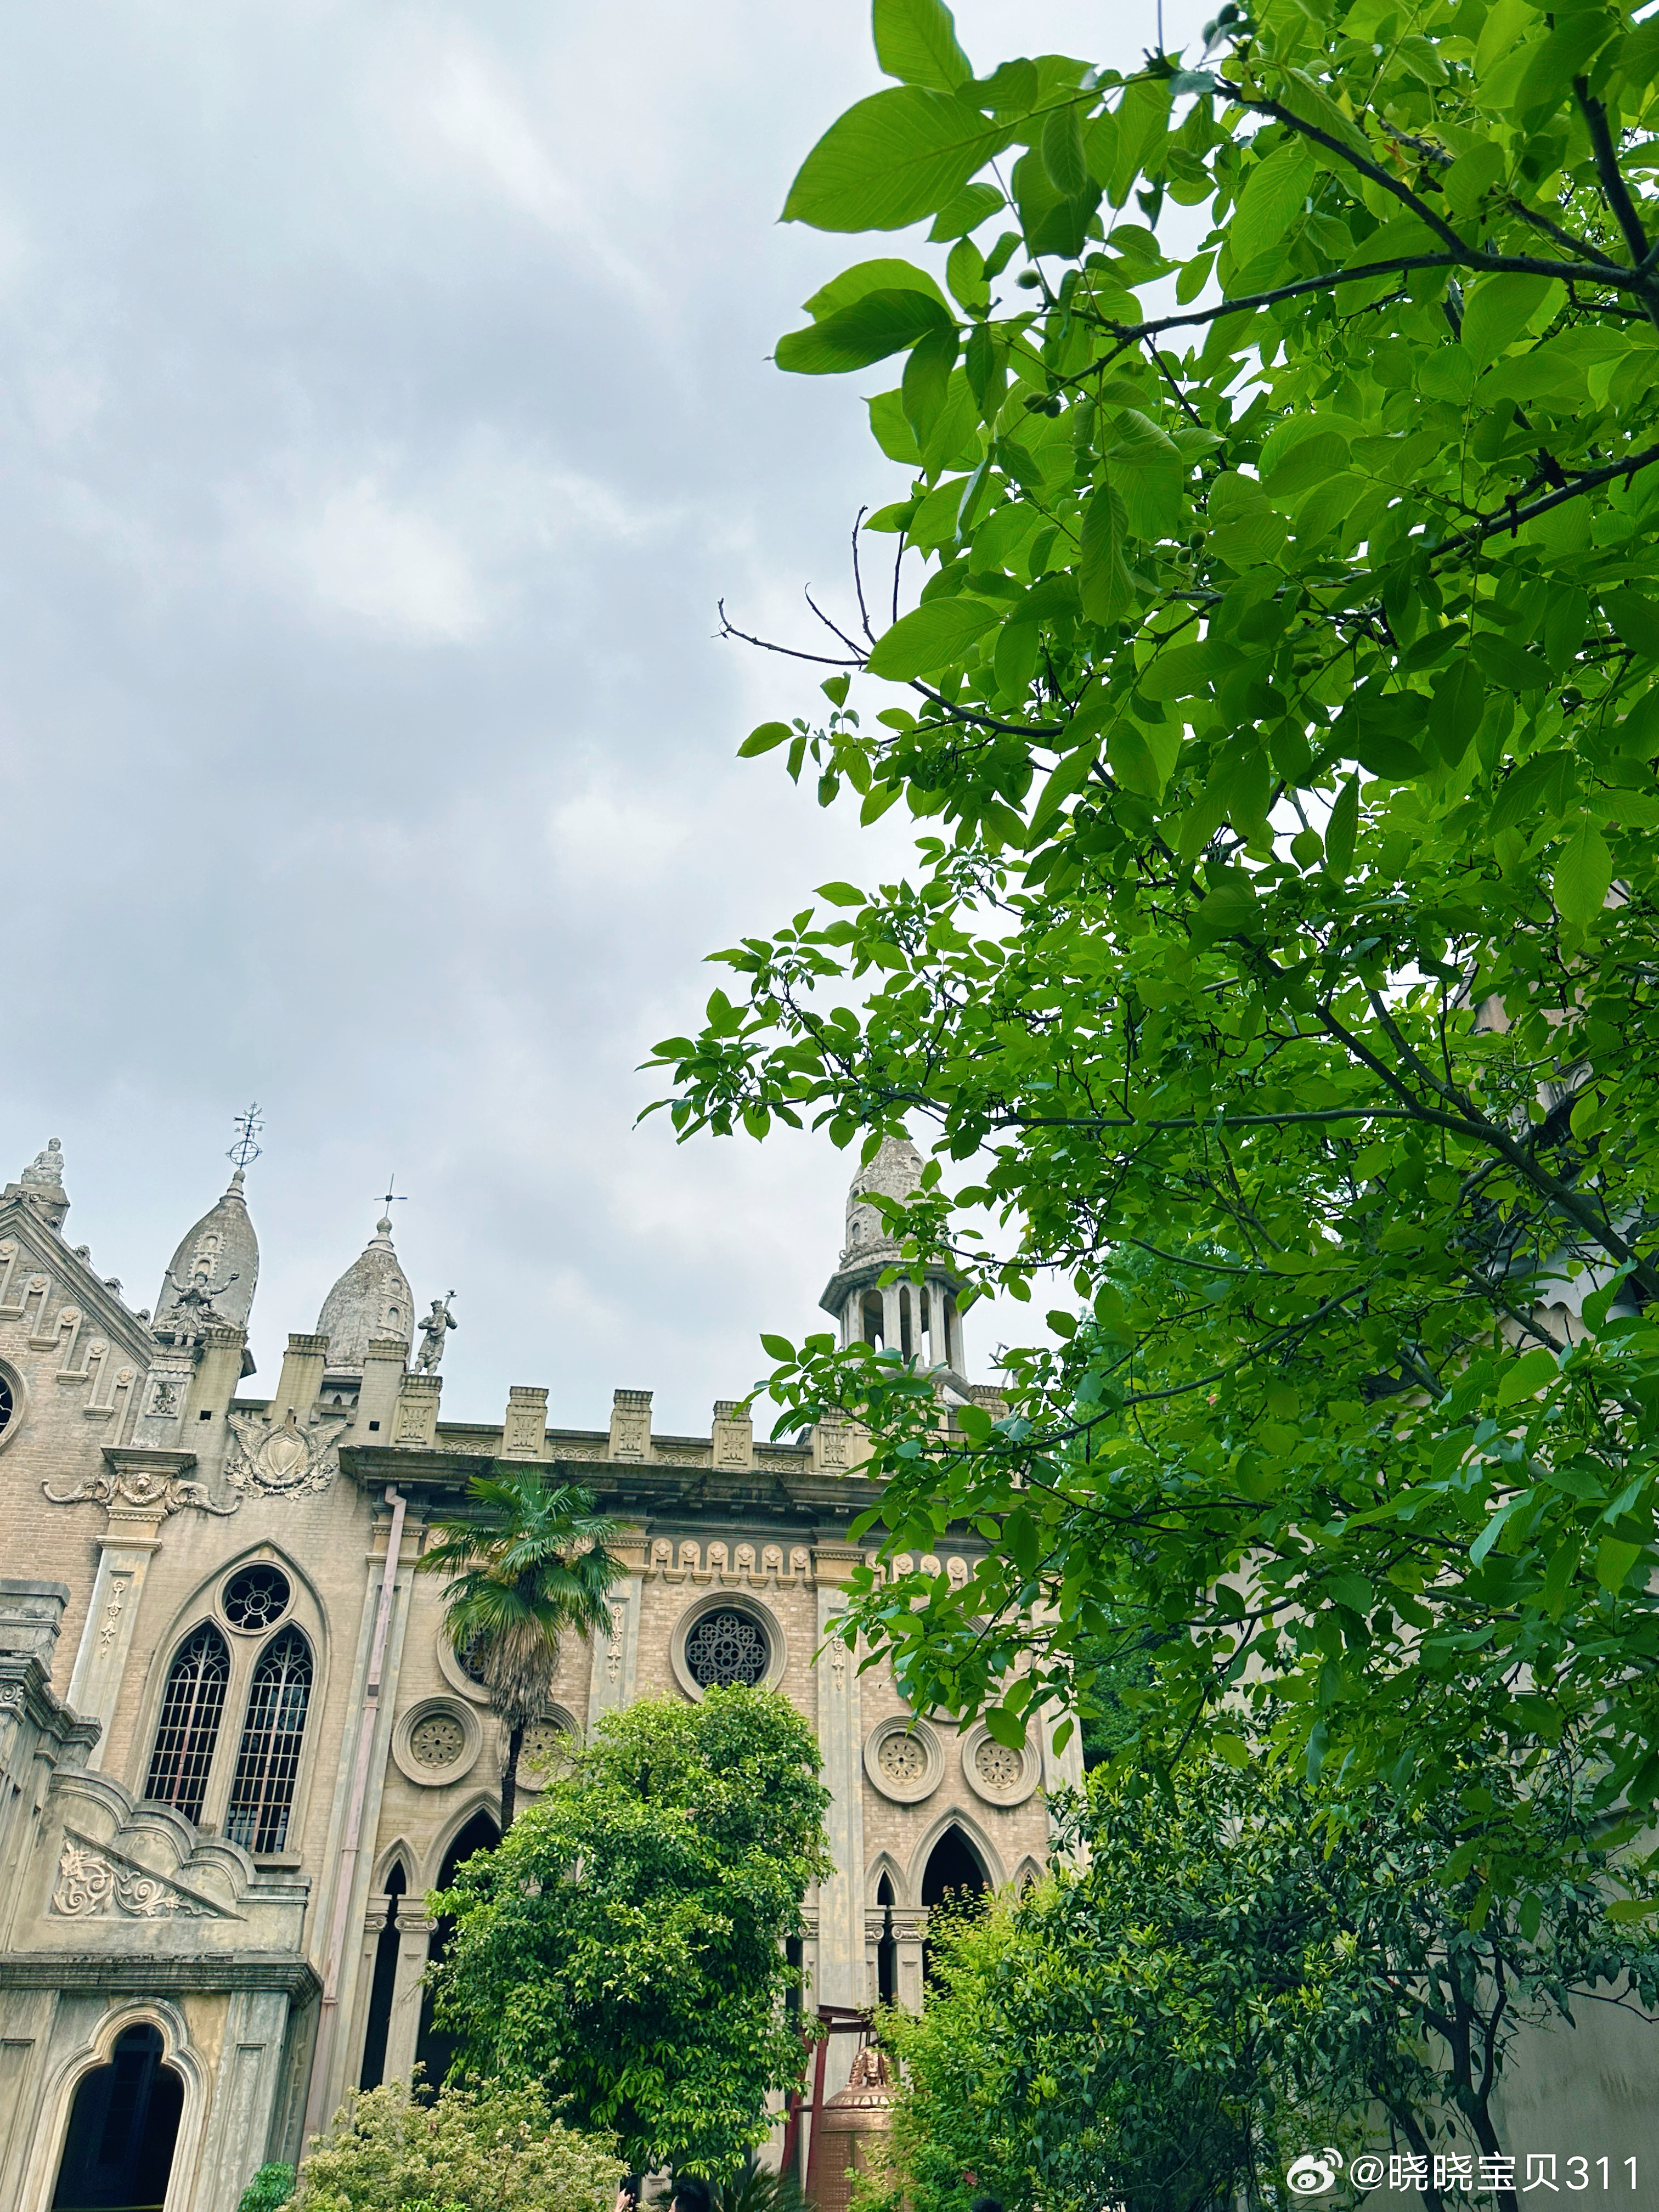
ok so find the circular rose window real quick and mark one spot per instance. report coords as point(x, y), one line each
point(8, 1405)
point(255, 1596)
point(438, 1741)
point(727, 1647)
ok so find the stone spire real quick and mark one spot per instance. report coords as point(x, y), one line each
point(920, 1321)
point(372, 1300)
point(214, 1271)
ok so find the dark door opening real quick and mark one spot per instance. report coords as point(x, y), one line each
point(886, 1947)
point(435, 2049)
point(118, 2152)
point(953, 1878)
point(383, 1988)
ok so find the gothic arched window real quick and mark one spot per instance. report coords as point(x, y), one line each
point(268, 1758)
point(188, 1729)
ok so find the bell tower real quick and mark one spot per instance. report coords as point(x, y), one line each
point(920, 1322)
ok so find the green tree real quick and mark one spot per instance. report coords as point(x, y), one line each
point(496, 2149)
point(625, 1944)
point(526, 1562)
point(1226, 1975)
point(1278, 722)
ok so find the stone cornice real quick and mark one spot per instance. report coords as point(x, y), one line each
point(74, 1974)
point(26, 1690)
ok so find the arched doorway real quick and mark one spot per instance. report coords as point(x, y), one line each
point(953, 1877)
point(385, 1983)
point(435, 2049)
point(117, 2151)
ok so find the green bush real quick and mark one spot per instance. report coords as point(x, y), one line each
point(269, 2190)
point(494, 2150)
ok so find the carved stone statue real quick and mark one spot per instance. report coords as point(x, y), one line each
point(435, 1330)
point(46, 1170)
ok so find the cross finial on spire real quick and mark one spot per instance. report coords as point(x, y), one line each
point(393, 1197)
point(246, 1148)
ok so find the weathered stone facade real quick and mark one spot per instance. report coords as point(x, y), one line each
point(236, 1749)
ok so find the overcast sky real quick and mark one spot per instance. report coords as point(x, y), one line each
point(386, 404)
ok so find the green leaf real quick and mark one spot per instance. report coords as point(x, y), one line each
point(1232, 1749)
point(1232, 909)
point(1062, 150)
point(843, 894)
point(916, 42)
point(1068, 777)
point(1343, 828)
point(1532, 1372)
point(1103, 582)
point(926, 382)
point(1635, 618)
point(1583, 875)
point(1624, 1910)
point(1454, 712)
point(879, 324)
point(1472, 176)
point(886, 274)
point(1497, 309)
point(1537, 786)
point(1614, 1560)
point(763, 739)
point(1509, 664)
point(778, 1348)
point(972, 205)
point(892, 158)
point(1274, 191)
point(938, 632)
point(892, 434)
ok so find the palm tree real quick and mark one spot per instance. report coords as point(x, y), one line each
point(526, 1562)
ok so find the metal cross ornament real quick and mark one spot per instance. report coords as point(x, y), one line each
point(246, 1148)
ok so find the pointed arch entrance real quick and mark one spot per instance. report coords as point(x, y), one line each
point(435, 2048)
point(954, 1876)
point(123, 2125)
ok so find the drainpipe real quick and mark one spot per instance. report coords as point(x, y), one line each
point(317, 2115)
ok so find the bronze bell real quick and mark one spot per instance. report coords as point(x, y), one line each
point(849, 2123)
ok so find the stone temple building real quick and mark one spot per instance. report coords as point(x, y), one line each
point(237, 1750)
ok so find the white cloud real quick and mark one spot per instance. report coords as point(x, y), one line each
point(393, 568)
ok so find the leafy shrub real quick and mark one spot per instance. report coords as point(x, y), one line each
point(494, 2150)
point(269, 2190)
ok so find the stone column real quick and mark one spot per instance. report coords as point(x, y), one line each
point(841, 1741)
point(909, 1926)
point(875, 1927)
point(631, 1425)
point(346, 2057)
point(524, 1427)
point(417, 1423)
point(893, 1338)
point(615, 1661)
point(302, 1379)
point(207, 1431)
point(129, 1541)
point(377, 1399)
point(414, 1934)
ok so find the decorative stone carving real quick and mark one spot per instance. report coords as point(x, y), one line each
point(732, 1440)
point(434, 1331)
point(903, 1758)
point(93, 1887)
point(524, 1430)
point(124, 1487)
point(996, 1772)
point(631, 1425)
point(437, 1741)
point(285, 1461)
point(546, 1752)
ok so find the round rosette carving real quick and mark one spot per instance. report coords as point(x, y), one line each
point(904, 1759)
point(997, 1772)
point(437, 1741)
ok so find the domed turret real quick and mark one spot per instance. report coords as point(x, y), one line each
point(371, 1299)
point(918, 1320)
point(214, 1271)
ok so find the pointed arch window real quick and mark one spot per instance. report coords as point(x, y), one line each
point(192, 1705)
point(268, 1758)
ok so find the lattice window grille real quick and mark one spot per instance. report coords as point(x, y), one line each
point(727, 1647)
point(268, 1759)
point(191, 1707)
